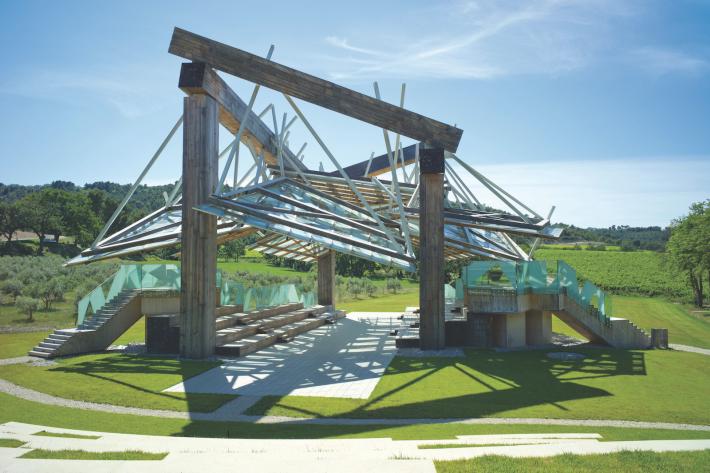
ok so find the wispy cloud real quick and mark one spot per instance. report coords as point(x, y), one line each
point(658, 60)
point(114, 88)
point(486, 40)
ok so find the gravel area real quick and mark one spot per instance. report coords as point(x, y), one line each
point(232, 412)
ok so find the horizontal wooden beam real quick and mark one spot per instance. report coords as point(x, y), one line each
point(379, 165)
point(313, 89)
point(198, 78)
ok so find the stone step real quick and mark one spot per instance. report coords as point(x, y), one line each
point(49, 344)
point(44, 349)
point(39, 354)
point(284, 333)
point(261, 326)
point(242, 318)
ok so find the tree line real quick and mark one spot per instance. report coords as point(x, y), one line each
point(64, 209)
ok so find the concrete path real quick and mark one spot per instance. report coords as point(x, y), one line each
point(342, 360)
point(190, 454)
point(688, 348)
point(233, 412)
point(16, 361)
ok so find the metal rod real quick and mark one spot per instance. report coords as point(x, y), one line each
point(135, 185)
point(342, 172)
point(396, 194)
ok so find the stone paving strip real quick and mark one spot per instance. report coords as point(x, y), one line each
point(688, 348)
point(232, 412)
point(191, 454)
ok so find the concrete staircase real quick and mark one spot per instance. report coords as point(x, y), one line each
point(617, 332)
point(97, 332)
point(242, 333)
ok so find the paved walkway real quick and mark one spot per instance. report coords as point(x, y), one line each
point(190, 454)
point(233, 412)
point(688, 348)
point(342, 360)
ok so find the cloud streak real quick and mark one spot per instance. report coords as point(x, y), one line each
point(487, 39)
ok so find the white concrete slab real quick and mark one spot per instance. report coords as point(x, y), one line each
point(193, 454)
point(342, 360)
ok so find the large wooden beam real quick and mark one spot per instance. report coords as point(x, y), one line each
point(199, 230)
point(431, 249)
point(313, 89)
point(379, 164)
point(326, 278)
point(198, 78)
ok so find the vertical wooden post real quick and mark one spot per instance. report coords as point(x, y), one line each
point(431, 249)
point(326, 278)
point(199, 230)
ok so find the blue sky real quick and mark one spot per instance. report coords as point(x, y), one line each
point(598, 107)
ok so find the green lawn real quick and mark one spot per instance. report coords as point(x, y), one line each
point(124, 380)
point(44, 433)
point(628, 462)
point(18, 344)
point(387, 303)
point(650, 313)
point(84, 455)
point(20, 410)
point(61, 315)
point(11, 443)
point(608, 384)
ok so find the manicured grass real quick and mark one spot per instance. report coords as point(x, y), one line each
point(650, 313)
point(41, 454)
point(124, 380)
point(628, 462)
point(385, 303)
point(11, 443)
point(61, 315)
point(44, 433)
point(20, 410)
point(434, 446)
point(135, 334)
point(20, 343)
point(609, 384)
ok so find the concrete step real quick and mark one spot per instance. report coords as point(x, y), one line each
point(284, 333)
point(39, 354)
point(49, 344)
point(43, 349)
point(261, 326)
point(242, 318)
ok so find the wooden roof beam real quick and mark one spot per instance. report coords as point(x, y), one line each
point(199, 78)
point(313, 89)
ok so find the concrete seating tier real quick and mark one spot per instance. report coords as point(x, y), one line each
point(266, 331)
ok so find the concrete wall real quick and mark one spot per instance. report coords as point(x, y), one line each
point(538, 327)
point(515, 326)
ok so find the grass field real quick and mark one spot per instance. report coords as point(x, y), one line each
point(38, 454)
point(608, 384)
point(628, 462)
point(11, 443)
point(19, 343)
point(20, 410)
point(124, 380)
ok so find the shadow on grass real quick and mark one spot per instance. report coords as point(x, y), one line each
point(114, 368)
point(501, 382)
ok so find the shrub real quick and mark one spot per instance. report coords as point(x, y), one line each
point(12, 288)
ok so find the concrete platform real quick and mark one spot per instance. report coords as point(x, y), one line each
point(342, 360)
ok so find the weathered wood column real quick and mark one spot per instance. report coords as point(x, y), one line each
point(199, 230)
point(326, 278)
point(431, 249)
